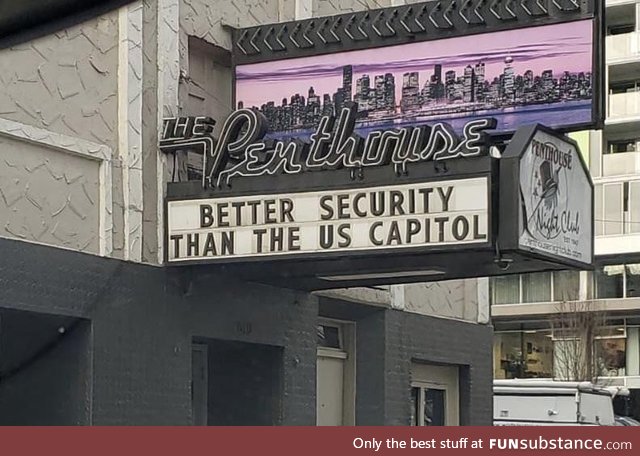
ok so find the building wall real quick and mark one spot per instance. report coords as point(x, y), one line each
point(458, 299)
point(49, 196)
point(206, 20)
point(418, 338)
point(60, 92)
point(143, 322)
point(93, 98)
point(331, 7)
point(65, 83)
point(388, 341)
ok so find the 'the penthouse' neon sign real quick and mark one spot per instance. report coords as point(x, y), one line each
point(242, 150)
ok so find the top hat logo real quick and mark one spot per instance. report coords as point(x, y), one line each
point(548, 182)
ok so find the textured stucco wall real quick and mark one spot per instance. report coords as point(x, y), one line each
point(331, 7)
point(66, 83)
point(456, 299)
point(64, 86)
point(206, 20)
point(48, 196)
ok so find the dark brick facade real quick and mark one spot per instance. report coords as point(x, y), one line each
point(126, 358)
point(389, 341)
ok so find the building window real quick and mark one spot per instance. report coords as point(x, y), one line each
point(523, 354)
point(632, 280)
point(620, 29)
point(536, 287)
point(611, 353)
point(616, 147)
point(566, 285)
point(608, 352)
point(329, 336)
point(617, 208)
point(506, 289)
point(624, 87)
point(428, 406)
point(618, 281)
point(560, 353)
point(335, 373)
point(434, 395)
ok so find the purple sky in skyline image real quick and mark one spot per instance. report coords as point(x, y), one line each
point(558, 47)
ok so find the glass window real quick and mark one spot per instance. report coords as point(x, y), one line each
point(611, 355)
point(415, 410)
point(633, 280)
point(610, 282)
point(598, 210)
point(329, 336)
point(634, 207)
point(536, 287)
point(428, 406)
point(506, 289)
point(566, 285)
point(527, 354)
point(616, 147)
point(613, 209)
point(620, 29)
point(434, 403)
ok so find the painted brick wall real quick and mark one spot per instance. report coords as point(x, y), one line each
point(388, 341)
point(435, 340)
point(144, 320)
point(55, 389)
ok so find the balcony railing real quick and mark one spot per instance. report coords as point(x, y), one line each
point(621, 164)
point(618, 2)
point(625, 46)
point(624, 105)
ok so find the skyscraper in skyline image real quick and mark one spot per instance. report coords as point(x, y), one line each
point(378, 99)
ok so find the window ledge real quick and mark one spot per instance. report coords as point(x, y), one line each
point(546, 308)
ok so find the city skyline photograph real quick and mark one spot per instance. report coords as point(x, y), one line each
point(450, 78)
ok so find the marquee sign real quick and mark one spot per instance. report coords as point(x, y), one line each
point(443, 213)
point(432, 206)
point(359, 150)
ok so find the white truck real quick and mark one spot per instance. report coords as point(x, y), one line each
point(553, 403)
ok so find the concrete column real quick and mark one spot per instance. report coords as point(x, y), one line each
point(633, 351)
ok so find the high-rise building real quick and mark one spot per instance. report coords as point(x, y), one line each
point(379, 92)
point(363, 95)
point(437, 73)
point(327, 105)
point(528, 309)
point(347, 81)
point(389, 92)
point(478, 82)
point(410, 92)
point(313, 111)
point(469, 84)
point(508, 80)
point(449, 84)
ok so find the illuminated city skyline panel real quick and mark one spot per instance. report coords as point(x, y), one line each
point(557, 47)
